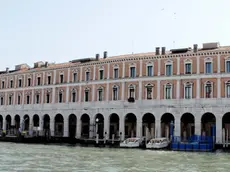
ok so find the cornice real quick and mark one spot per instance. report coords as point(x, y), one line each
point(125, 59)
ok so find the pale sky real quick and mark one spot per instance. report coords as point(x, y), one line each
point(63, 30)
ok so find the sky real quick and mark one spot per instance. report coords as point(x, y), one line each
point(63, 30)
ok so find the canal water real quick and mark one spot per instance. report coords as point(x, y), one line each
point(27, 157)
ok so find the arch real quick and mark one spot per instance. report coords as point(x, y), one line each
point(8, 123)
point(148, 125)
point(226, 125)
point(187, 125)
point(166, 119)
point(130, 125)
point(26, 123)
point(46, 125)
point(72, 125)
point(58, 125)
point(114, 122)
point(36, 120)
point(208, 121)
point(85, 124)
point(99, 121)
point(1, 122)
point(17, 121)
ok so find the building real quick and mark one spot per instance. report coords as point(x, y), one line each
point(122, 95)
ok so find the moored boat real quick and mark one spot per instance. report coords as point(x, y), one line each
point(158, 143)
point(131, 143)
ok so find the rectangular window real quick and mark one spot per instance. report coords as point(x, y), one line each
point(61, 78)
point(3, 84)
point(19, 99)
point(168, 92)
point(73, 97)
point(29, 82)
point(188, 92)
point(39, 81)
point(19, 83)
point(115, 73)
point(150, 71)
point(149, 93)
point(11, 83)
point(131, 93)
point(228, 90)
point(101, 74)
point(27, 99)
point(37, 99)
point(115, 94)
point(208, 90)
point(10, 100)
point(2, 100)
point(47, 98)
point(132, 72)
point(60, 97)
point(208, 67)
point(188, 68)
point(168, 69)
point(75, 77)
point(100, 95)
point(49, 80)
point(228, 66)
point(86, 96)
point(87, 75)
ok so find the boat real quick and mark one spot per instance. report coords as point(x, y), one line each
point(158, 143)
point(131, 143)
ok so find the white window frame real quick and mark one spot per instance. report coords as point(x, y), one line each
point(29, 78)
point(226, 84)
point(115, 87)
point(169, 62)
point(187, 61)
point(60, 91)
point(171, 92)
point(11, 80)
point(61, 74)
point(147, 65)
point(102, 96)
point(130, 66)
point(99, 77)
point(19, 94)
point(10, 102)
point(76, 76)
point(132, 86)
point(87, 70)
point(36, 98)
point(207, 60)
point(205, 84)
point(146, 88)
point(87, 90)
point(74, 91)
point(191, 91)
point(226, 60)
point(115, 67)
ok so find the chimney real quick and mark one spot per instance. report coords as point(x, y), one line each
point(105, 54)
point(195, 48)
point(97, 56)
point(46, 64)
point(7, 70)
point(157, 51)
point(162, 50)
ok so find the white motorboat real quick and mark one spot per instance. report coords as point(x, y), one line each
point(158, 143)
point(131, 143)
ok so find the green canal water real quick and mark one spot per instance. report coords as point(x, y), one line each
point(27, 157)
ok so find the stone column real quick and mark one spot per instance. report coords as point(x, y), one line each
point(52, 127)
point(178, 65)
point(198, 88)
point(141, 62)
point(78, 132)
point(197, 125)
point(139, 128)
point(41, 125)
point(177, 129)
point(159, 67)
point(158, 128)
point(122, 128)
point(218, 129)
point(218, 88)
point(178, 90)
point(140, 91)
point(4, 123)
point(218, 63)
point(91, 128)
point(106, 127)
point(198, 65)
point(66, 128)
